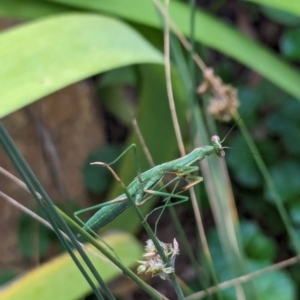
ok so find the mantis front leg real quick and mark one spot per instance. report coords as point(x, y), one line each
point(193, 180)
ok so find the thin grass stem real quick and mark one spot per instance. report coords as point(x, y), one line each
point(50, 212)
point(169, 82)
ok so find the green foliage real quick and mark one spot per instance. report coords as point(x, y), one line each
point(32, 235)
point(290, 43)
point(119, 76)
point(60, 47)
point(276, 140)
point(6, 276)
point(277, 285)
point(295, 213)
point(248, 175)
point(283, 124)
point(257, 245)
point(286, 128)
point(290, 6)
point(285, 176)
point(220, 36)
point(260, 252)
point(280, 16)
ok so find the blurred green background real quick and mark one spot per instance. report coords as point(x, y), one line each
point(73, 73)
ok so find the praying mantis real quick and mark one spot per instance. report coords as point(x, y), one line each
point(141, 189)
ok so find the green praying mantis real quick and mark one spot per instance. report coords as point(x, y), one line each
point(141, 189)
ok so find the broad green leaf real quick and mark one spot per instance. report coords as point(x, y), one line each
point(60, 279)
point(30, 9)
point(209, 31)
point(45, 56)
point(291, 6)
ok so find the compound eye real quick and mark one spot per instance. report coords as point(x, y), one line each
point(215, 139)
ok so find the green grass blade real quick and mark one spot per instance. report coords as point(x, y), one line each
point(50, 211)
point(70, 222)
point(209, 31)
point(189, 87)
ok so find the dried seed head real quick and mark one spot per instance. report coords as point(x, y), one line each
point(154, 264)
point(224, 101)
point(223, 109)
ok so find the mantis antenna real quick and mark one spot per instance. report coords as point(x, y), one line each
point(243, 113)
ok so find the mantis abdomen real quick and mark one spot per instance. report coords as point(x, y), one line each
point(105, 215)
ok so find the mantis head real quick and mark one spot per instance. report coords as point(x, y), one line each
point(217, 145)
